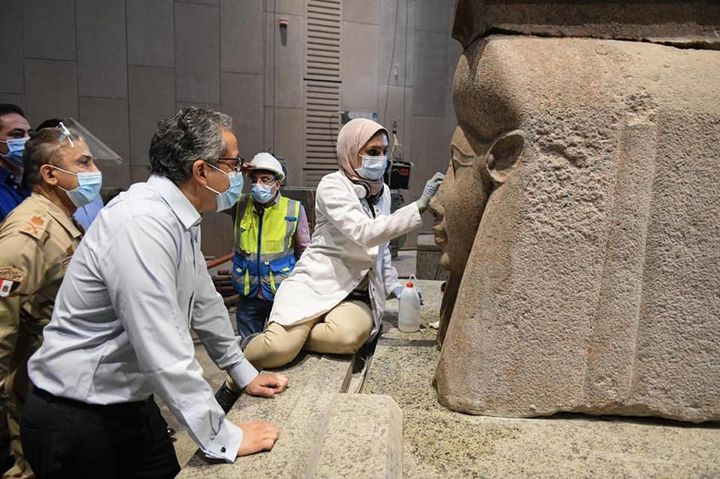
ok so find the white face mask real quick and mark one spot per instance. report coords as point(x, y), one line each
point(373, 167)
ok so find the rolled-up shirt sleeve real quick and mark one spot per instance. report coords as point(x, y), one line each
point(140, 270)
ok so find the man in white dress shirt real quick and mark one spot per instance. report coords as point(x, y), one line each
point(120, 332)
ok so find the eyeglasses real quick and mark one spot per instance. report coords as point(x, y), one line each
point(235, 163)
point(266, 180)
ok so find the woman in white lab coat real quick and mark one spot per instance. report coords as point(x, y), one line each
point(334, 299)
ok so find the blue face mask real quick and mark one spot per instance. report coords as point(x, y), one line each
point(373, 167)
point(262, 193)
point(16, 148)
point(229, 197)
point(89, 184)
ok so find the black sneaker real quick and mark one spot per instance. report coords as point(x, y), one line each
point(226, 397)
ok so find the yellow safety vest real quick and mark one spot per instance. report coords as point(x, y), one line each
point(264, 247)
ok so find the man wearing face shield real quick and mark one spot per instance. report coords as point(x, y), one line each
point(14, 129)
point(37, 241)
point(121, 328)
point(87, 213)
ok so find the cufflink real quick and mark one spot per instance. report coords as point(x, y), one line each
point(222, 449)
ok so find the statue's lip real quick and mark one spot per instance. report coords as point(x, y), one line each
point(440, 235)
point(438, 213)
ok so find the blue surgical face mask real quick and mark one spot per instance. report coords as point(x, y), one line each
point(229, 197)
point(16, 149)
point(373, 167)
point(262, 193)
point(89, 184)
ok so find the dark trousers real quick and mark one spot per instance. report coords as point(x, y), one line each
point(63, 438)
point(251, 314)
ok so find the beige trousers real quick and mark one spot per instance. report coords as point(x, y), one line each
point(341, 331)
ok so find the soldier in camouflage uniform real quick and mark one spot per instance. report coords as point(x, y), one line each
point(37, 241)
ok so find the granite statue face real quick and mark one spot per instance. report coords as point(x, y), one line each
point(470, 179)
point(481, 160)
point(459, 204)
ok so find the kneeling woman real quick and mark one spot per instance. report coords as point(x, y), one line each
point(334, 299)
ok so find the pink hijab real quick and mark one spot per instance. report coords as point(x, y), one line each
point(351, 139)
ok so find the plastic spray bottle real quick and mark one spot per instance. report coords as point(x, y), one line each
point(409, 310)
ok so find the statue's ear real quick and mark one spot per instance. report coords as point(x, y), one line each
point(503, 155)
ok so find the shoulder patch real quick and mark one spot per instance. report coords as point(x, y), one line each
point(5, 287)
point(36, 226)
point(11, 273)
point(10, 279)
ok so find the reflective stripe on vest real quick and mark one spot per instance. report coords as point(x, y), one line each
point(276, 230)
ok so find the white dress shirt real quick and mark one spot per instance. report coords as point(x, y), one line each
point(120, 330)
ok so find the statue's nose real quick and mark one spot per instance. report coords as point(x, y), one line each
point(437, 209)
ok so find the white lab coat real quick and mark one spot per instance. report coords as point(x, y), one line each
point(347, 244)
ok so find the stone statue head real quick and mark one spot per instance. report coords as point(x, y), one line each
point(593, 189)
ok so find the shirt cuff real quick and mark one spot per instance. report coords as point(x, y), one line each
point(243, 373)
point(226, 444)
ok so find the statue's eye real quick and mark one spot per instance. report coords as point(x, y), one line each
point(461, 161)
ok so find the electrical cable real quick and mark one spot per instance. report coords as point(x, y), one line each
point(392, 59)
point(274, 47)
point(407, 20)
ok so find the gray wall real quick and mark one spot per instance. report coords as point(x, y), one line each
point(120, 65)
point(413, 71)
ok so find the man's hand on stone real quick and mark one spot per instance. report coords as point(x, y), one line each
point(257, 436)
point(267, 385)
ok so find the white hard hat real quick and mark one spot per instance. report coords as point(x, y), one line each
point(265, 161)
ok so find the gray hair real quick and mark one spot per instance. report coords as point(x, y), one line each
point(39, 150)
point(193, 133)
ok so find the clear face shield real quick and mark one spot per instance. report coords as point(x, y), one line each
point(102, 154)
point(89, 183)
